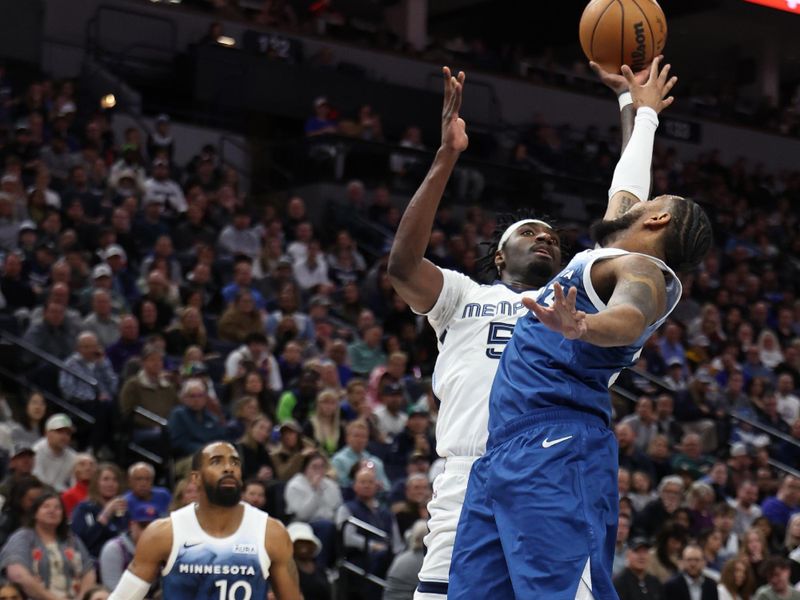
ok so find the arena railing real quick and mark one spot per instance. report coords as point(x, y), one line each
point(103, 20)
point(62, 404)
point(369, 531)
point(47, 357)
point(773, 433)
point(571, 197)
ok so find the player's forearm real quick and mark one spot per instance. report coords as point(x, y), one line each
point(619, 325)
point(414, 231)
point(627, 115)
point(632, 173)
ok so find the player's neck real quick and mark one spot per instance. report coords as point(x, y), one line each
point(638, 245)
point(518, 283)
point(219, 521)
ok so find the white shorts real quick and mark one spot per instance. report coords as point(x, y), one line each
point(449, 489)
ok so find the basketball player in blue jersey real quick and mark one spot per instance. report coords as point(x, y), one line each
point(216, 549)
point(540, 516)
point(472, 322)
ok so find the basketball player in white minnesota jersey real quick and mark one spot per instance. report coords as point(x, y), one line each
point(216, 549)
point(473, 322)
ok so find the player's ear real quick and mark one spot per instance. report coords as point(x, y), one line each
point(658, 220)
point(499, 261)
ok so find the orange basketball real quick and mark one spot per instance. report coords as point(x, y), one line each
point(623, 32)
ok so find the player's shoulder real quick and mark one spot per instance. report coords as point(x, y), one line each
point(157, 538)
point(638, 265)
point(277, 540)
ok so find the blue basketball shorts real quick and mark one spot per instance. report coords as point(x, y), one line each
point(540, 515)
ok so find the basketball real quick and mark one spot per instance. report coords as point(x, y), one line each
point(623, 32)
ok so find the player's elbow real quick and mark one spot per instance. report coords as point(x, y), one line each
point(400, 268)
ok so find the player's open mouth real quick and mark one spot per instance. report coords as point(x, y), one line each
point(228, 482)
point(542, 252)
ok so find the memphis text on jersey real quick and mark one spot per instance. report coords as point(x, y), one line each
point(473, 309)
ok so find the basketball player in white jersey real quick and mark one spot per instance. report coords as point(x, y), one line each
point(218, 548)
point(473, 322)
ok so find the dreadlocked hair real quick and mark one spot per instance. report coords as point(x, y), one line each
point(503, 221)
point(689, 236)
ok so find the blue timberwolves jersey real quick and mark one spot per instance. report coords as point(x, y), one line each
point(201, 567)
point(541, 369)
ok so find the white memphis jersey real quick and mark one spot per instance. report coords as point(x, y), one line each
point(473, 324)
point(202, 567)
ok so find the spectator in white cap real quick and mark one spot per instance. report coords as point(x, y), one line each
point(162, 189)
point(102, 279)
point(160, 141)
point(55, 459)
point(313, 582)
point(323, 121)
point(123, 279)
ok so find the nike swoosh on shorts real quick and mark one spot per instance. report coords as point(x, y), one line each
point(547, 443)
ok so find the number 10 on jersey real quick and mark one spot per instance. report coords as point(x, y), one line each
point(226, 593)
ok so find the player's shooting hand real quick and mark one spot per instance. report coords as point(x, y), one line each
point(561, 316)
point(655, 91)
point(616, 82)
point(454, 130)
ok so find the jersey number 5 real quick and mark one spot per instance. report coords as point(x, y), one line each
point(499, 335)
point(230, 594)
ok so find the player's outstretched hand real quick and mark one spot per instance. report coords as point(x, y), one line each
point(655, 91)
point(454, 130)
point(616, 82)
point(561, 316)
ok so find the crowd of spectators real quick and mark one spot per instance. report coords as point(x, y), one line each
point(280, 333)
point(364, 22)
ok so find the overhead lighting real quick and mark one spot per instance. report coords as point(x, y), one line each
point(108, 101)
point(225, 40)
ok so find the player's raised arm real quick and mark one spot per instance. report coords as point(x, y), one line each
point(152, 551)
point(631, 182)
point(415, 278)
point(638, 300)
point(282, 569)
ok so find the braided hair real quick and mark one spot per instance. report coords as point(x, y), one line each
point(689, 236)
point(485, 264)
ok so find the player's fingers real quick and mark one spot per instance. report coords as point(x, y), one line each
point(667, 102)
point(572, 297)
point(669, 85)
point(596, 68)
point(654, 68)
point(533, 306)
point(446, 74)
point(559, 293)
point(662, 77)
point(450, 98)
point(627, 74)
point(461, 77)
point(457, 102)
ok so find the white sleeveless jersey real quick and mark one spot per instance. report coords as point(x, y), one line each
point(473, 324)
point(202, 567)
